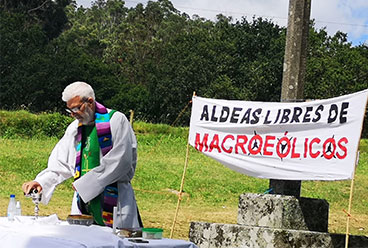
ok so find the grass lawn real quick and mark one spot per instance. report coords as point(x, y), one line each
point(211, 190)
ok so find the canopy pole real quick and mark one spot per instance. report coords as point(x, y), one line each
point(181, 187)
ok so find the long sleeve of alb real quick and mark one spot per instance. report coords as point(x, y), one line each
point(60, 165)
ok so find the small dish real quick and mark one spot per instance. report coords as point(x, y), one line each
point(85, 220)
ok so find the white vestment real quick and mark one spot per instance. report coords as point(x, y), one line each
point(118, 165)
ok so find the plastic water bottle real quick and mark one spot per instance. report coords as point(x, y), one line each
point(18, 209)
point(11, 208)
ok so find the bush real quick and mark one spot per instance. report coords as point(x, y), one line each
point(23, 124)
point(160, 129)
point(27, 125)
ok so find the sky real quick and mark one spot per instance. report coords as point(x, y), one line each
point(347, 16)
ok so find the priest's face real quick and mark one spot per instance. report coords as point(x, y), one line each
point(81, 109)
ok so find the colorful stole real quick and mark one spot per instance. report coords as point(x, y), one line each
point(101, 207)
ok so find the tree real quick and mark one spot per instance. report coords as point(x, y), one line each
point(49, 14)
point(152, 58)
point(334, 67)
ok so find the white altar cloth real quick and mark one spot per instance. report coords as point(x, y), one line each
point(46, 232)
point(25, 232)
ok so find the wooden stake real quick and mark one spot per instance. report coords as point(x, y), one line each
point(180, 192)
point(131, 117)
point(350, 202)
point(352, 183)
point(181, 187)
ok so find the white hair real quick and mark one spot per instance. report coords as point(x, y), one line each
point(81, 89)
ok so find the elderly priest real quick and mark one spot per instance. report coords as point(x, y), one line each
point(99, 149)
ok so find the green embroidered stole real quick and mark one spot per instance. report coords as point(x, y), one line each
point(91, 159)
point(90, 139)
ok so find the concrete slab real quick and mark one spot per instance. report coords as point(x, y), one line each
point(210, 235)
point(285, 212)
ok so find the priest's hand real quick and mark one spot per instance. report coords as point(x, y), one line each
point(26, 187)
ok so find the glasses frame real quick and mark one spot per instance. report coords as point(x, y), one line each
point(75, 109)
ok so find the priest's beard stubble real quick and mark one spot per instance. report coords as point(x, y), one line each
point(87, 117)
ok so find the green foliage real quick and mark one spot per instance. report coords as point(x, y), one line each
point(48, 14)
point(152, 58)
point(23, 124)
point(157, 130)
point(335, 67)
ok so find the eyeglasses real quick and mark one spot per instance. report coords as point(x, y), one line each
point(75, 109)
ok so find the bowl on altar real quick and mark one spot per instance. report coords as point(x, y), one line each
point(80, 219)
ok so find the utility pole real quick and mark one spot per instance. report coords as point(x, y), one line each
point(294, 73)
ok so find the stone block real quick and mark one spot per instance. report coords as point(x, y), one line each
point(213, 235)
point(284, 212)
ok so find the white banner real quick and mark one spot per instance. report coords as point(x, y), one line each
point(315, 140)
